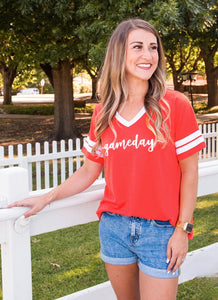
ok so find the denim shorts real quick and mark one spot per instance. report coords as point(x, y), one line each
point(127, 240)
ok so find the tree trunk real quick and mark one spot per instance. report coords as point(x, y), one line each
point(208, 55)
point(48, 71)
point(94, 86)
point(64, 122)
point(8, 74)
point(212, 87)
point(177, 84)
point(212, 77)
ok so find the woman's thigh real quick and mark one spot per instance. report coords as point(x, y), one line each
point(157, 288)
point(124, 280)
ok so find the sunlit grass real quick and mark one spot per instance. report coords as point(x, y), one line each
point(199, 289)
point(202, 108)
point(41, 109)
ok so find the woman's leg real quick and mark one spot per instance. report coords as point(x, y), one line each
point(124, 280)
point(152, 288)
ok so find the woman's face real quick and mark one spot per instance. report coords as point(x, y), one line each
point(141, 55)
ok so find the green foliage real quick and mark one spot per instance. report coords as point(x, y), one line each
point(52, 30)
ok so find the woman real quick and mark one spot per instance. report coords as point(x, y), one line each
point(147, 139)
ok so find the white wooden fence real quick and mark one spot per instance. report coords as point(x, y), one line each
point(49, 167)
point(210, 134)
point(15, 233)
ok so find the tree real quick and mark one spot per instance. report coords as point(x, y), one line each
point(47, 27)
point(9, 62)
point(207, 40)
point(171, 19)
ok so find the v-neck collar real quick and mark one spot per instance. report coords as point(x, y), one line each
point(133, 121)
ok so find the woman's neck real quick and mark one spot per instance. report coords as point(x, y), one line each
point(137, 91)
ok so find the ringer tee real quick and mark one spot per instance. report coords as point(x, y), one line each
point(143, 179)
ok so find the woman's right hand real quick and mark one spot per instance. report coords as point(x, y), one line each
point(34, 203)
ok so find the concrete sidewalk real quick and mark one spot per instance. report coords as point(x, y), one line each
point(201, 118)
point(207, 118)
point(21, 116)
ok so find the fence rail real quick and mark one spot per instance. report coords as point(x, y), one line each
point(49, 165)
point(15, 233)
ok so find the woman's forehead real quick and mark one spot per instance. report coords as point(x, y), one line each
point(141, 35)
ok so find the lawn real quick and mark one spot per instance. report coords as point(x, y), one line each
point(68, 260)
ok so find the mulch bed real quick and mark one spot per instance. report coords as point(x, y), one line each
point(33, 129)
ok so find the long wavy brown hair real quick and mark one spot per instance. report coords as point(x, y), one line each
point(113, 89)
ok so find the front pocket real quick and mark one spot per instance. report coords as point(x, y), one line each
point(161, 224)
point(110, 213)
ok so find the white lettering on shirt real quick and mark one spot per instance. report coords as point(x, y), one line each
point(136, 142)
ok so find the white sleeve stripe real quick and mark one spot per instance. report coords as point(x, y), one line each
point(188, 139)
point(189, 146)
point(88, 145)
point(90, 142)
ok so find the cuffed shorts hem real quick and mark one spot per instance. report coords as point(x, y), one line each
point(118, 261)
point(158, 273)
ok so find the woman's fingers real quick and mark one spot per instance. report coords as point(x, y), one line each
point(174, 264)
point(35, 204)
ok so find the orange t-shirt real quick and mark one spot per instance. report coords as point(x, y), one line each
point(143, 180)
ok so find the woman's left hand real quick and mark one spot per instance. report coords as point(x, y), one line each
point(177, 249)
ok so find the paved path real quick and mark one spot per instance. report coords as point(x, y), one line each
point(207, 118)
point(20, 116)
point(42, 99)
point(201, 118)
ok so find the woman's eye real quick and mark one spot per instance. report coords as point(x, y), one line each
point(137, 47)
point(154, 48)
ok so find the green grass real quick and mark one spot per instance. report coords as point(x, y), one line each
point(202, 108)
point(48, 109)
point(68, 260)
point(40, 109)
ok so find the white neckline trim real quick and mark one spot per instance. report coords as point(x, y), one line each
point(133, 121)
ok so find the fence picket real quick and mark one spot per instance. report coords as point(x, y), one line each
point(30, 166)
point(70, 159)
point(216, 130)
point(46, 166)
point(2, 155)
point(38, 167)
point(78, 158)
point(10, 154)
point(63, 167)
point(55, 168)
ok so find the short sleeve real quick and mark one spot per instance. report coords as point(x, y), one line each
point(188, 138)
point(90, 141)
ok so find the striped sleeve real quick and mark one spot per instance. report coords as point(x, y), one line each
point(90, 141)
point(188, 138)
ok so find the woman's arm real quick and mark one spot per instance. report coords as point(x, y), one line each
point(178, 243)
point(76, 183)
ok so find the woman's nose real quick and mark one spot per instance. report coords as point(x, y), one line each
point(146, 53)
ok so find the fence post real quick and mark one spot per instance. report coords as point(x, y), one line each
point(16, 252)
